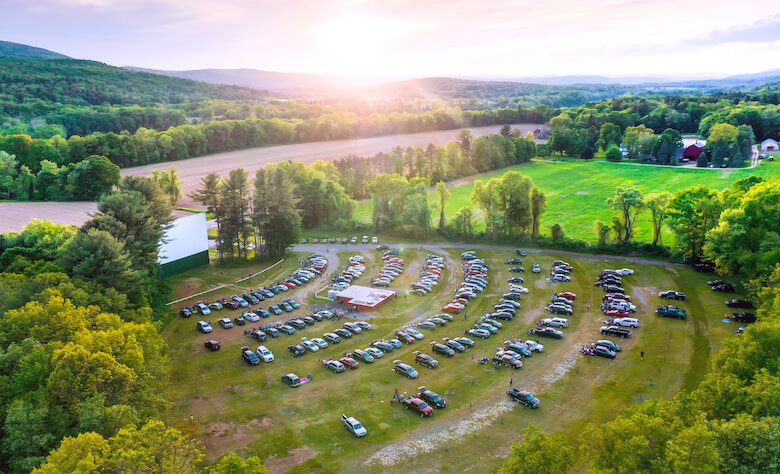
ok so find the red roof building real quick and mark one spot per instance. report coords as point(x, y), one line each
point(692, 152)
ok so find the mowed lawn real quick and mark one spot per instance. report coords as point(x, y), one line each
point(577, 191)
point(248, 410)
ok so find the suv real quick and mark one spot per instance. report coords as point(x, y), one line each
point(431, 397)
point(524, 398)
point(353, 426)
point(212, 345)
point(438, 348)
point(417, 405)
point(425, 360)
point(405, 369)
point(204, 326)
point(292, 380)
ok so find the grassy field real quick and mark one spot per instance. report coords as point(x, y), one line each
point(577, 191)
point(248, 409)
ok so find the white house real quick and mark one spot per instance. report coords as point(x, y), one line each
point(769, 145)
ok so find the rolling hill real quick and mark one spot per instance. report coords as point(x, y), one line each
point(18, 50)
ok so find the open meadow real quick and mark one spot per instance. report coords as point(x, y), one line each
point(577, 191)
point(237, 407)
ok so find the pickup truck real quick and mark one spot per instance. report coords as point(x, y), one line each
point(670, 312)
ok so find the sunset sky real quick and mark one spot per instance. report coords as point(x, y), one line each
point(410, 37)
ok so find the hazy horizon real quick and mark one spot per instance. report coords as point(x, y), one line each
point(502, 38)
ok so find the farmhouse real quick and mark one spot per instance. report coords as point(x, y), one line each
point(692, 152)
point(769, 145)
point(363, 297)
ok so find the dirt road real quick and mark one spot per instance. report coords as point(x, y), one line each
point(193, 169)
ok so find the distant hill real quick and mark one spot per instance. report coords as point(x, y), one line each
point(79, 82)
point(18, 50)
point(268, 80)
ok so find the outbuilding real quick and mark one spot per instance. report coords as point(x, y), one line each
point(363, 297)
point(693, 152)
point(769, 145)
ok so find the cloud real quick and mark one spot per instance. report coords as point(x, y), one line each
point(762, 31)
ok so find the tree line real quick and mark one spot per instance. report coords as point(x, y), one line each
point(82, 364)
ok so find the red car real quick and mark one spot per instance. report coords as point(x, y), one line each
point(349, 362)
point(417, 405)
point(185, 312)
point(451, 308)
point(289, 284)
point(462, 301)
point(617, 314)
point(402, 336)
point(568, 295)
point(229, 303)
point(212, 345)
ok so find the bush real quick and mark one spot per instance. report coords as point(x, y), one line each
point(613, 154)
point(587, 153)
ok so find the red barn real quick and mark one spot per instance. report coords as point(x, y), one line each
point(692, 152)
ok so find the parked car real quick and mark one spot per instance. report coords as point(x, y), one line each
point(425, 360)
point(739, 304)
point(215, 306)
point(185, 312)
point(603, 351)
point(384, 346)
point(615, 331)
point(438, 348)
point(212, 345)
point(331, 337)
point(563, 278)
point(362, 355)
point(309, 345)
point(464, 341)
point(401, 335)
point(417, 406)
point(609, 345)
point(430, 397)
point(375, 353)
point(265, 354)
point(743, 317)
point(334, 366)
point(547, 332)
point(704, 267)
point(241, 301)
point(353, 426)
point(296, 350)
point(454, 345)
point(480, 333)
point(249, 356)
point(725, 288)
point(405, 370)
point(670, 312)
point(524, 398)
point(534, 346)
point(624, 322)
point(555, 322)
point(502, 359)
point(717, 282)
point(672, 295)
point(341, 332)
point(275, 309)
point(291, 379)
point(625, 271)
point(321, 343)
point(204, 326)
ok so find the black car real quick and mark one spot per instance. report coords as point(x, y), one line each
point(296, 323)
point(725, 288)
point(342, 333)
point(717, 282)
point(433, 398)
point(743, 317)
point(291, 379)
point(273, 332)
point(519, 348)
point(438, 348)
point(513, 296)
point(185, 313)
point(249, 356)
point(602, 351)
point(672, 295)
point(502, 315)
point(465, 341)
point(296, 350)
point(309, 320)
point(250, 298)
point(614, 289)
point(547, 332)
point(240, 321)
point(524, 398)
point(257, 335)
point(258, 295)
point(704, 267)
point(517, 270)
point(514, 261)
point(454, 345)
point(425, 360)
point(739, 304)
point(331, 337)
point(615, 331)
point(285, 329)
point(212, 345)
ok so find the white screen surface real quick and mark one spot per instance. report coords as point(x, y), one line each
point(187, 236)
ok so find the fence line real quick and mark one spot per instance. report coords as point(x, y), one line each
point(196, 294)
point(261, 271)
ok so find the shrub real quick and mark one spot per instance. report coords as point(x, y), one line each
point(613, 154)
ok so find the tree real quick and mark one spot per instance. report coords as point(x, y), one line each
point(465, 139)
point(587, 153)
point(666, 147)
point(154, 448)
point(691, 213)
point(506, 131)
point(444, 196)
point(693, 450)
point(539, 453)
point(87, 452)
point(613, 154)
point(743, 148)
point(628, 203)
point(747, 237)
point(538, 206)
point(274, 212)
point(97, 256)
point(208, 195)
point(416, 211)
point(8, 171)
point(235, 200)
point(388, 191)
point(602, 231)
point(170, 183)
point(557, 234)
point(656, 203)
point(91, 177)
point(232, 464)
point(750, 445)
point(464, 222)
point(609, 134)
point(640, 142)
point(27, 436)
point(721, 141)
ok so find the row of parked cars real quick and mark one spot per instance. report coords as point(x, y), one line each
point(429, 275)
point(344, 240)
point(353, 270)
point(475, 280)
point(392, 268)
point(315, 344)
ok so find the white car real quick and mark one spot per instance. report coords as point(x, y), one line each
point(264, 354)
point(561, 278)
point(353, 328)
point(322, 343)
point(626, 322)
point(625, 271)
point(250, 316)
point(374, 240)
point(414, 333)
point(518, 289)
point(364, 325)
point(352, 425)
point(309, 346)
point(556, 322)
point(375, 352)
point(340, 286)
point(534, 346)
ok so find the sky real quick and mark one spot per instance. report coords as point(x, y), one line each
point(410, 38)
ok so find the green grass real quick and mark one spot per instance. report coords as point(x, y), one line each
point(247, 409)
point(577, 191)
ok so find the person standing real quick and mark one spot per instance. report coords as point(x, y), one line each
point(510, 381)
point(642, 355)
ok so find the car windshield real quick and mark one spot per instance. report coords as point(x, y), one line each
point(423, 405)
point(436, 398)
point(357, 426)
point(529, 397)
